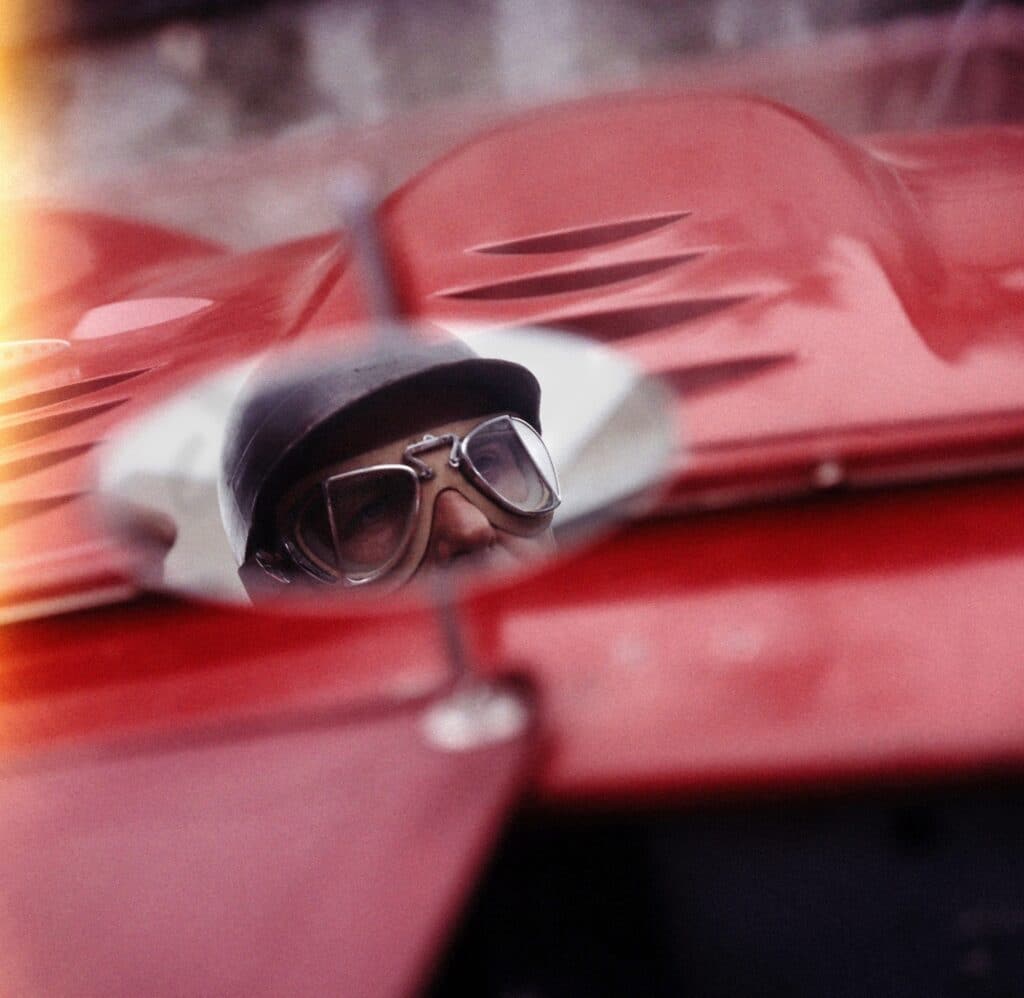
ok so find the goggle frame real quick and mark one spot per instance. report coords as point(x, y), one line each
point(458, 459)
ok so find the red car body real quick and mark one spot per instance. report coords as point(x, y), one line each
point(225, 800)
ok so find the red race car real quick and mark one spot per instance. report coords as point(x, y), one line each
point(763, 737)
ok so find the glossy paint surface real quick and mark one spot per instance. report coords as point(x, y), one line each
point(831, 312)
point(264, 859)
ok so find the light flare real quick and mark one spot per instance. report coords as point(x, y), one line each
point(15, 263)
point(14, 114)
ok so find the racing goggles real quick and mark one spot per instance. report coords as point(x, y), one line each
point(356, 522)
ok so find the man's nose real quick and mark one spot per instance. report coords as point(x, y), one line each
point(459, 527)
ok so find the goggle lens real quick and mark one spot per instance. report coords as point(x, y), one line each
point(361, 522)
point(357, 524)
point(509, 456)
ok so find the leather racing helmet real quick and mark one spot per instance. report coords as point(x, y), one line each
point(294, 415)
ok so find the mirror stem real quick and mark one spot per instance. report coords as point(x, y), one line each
point(356, 195)
point(451, 627)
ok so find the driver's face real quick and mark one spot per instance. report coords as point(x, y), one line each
point(462, 535)
point(376, 519)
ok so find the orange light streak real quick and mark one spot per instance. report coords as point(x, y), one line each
point(13, 114)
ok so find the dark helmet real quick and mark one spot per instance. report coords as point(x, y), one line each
point(293, 416)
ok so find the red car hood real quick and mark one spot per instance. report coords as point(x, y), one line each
point(812, 299)
point(827, 309)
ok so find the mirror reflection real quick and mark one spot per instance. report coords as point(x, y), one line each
point(311, 473)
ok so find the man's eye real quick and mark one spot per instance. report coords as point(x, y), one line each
point(366, 517)
point(489, 460)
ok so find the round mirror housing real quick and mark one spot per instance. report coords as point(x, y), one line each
point(313, 472)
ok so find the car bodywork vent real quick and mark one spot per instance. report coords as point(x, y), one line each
point(583, 237)
point(14, 512)
point(64, 393)
point(691, 379)
point(20, 467)
point(40, 426)
point(568, 281)
point(624, 323)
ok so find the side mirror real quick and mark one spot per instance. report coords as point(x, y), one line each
point(609, 429)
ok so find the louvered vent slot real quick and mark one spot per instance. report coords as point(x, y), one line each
point(31, 429)
point(567, 281)
point(584, 237)
point(696, 378)
point(12, 470)
point(622, 323)
point(15, 512)
point(64, 393)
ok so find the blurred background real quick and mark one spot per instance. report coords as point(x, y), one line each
point(227, 117)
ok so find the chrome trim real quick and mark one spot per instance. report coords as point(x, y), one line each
point(484, 486)
point(409, 529)
point(458, 457)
